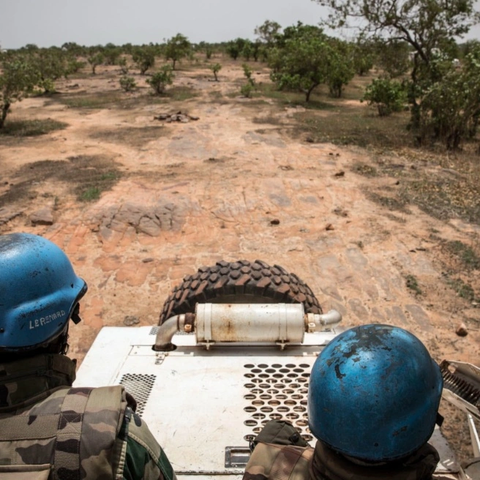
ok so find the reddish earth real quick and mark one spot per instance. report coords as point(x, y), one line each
point(226, 188)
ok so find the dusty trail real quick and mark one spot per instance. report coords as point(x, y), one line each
point(225, 187)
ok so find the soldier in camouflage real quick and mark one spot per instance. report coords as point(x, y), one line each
point(373, 404)
point(49, 430)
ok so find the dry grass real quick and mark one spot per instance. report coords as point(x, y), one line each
point(30, 128)
point(89, 176)
point(132, 136)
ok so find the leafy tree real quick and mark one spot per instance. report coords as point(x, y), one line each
point(363, 56)
point(17, 79)
point(124, 67)
point(111, 53)
point(30, 48)
point(177, 48)
point(247, 50)
point(73, 65)
point(73, 49)
point(144, 58)
point(215, 68)
point(268, 32)
point(127, 83)
point(95, 59)
point(234, 48)
point(49, 65)
point(450, 109)
point(257, 50)
point(340, 66)
point(393, 57)
point(427, 26)
point(206, 48)
point(299, 59)
point(468, 47)
point(247, 71)
point(388, 96)
point(127, 48)
point(159, 80)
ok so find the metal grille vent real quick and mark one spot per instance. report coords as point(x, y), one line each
point(461, 385)
point(277, 392)
point(139, 386)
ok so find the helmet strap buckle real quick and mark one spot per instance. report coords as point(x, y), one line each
point(76, 314)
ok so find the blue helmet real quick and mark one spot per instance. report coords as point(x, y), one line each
point(39, 292)
point(374, 393)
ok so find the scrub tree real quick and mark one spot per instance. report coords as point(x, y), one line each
point(177, 48)
point(17, 79)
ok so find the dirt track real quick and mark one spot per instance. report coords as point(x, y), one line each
point(225, 187)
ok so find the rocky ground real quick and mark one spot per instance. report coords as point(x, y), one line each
point(187, 193)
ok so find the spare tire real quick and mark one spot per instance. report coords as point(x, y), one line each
point(239, 282)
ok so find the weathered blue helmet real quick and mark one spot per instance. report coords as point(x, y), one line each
point(38, 292)
point(374, 393)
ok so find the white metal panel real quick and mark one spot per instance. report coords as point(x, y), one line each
point(198, 406)
point(197, 402)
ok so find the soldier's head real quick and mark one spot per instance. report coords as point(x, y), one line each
point(374, 394)
point(39, 294)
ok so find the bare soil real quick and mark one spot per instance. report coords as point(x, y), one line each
point(139, 203)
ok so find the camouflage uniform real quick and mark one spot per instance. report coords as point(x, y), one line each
point(288, 462)
point(50, 430)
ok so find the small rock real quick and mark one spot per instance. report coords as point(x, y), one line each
point(310, 140)
point(340, 212)
point(147, 260)
point(130, 320)
point(275, 221)
point(7, 214)
point(341, 173)
point(462, 330)
point(329, 227)
point(44, 216)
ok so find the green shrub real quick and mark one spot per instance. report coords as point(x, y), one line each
point(247, 71)
point(388, 95)
point(246, 90)
point(95, 59)
point(159, 80)
point(215, 69)
point(450, 107)
point(127, 83)
point(124, 67)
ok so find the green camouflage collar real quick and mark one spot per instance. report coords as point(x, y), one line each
point(30, 380)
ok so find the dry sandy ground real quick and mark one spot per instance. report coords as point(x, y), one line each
point(216, 184)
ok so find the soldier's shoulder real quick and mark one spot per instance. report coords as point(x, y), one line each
point(140, 432)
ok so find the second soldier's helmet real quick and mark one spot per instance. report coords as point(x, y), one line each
point(39, 292)
point(374, 393)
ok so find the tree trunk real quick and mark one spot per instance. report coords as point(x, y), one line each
point(415, 116)
point(309, 92)
point(5, 109)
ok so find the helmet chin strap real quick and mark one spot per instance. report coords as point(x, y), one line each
point(76, 314)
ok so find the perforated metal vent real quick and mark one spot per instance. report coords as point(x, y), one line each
point(277, 392)
point(140, 387)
